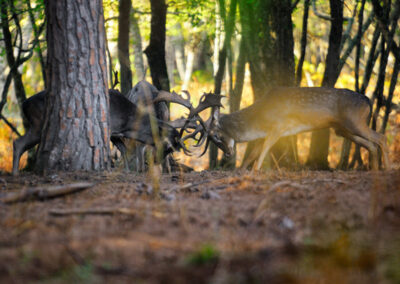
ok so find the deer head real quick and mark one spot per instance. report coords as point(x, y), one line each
point(210, 130)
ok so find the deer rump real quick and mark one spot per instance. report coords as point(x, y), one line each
point(125, 120)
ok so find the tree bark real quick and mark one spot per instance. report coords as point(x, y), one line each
point(156, 50)
point(76, 132)
point(319, 149)
point(123, 45)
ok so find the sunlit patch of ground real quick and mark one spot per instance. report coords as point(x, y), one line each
point(225, 227)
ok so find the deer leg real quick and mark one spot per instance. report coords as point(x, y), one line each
point(251, 157)
point(269, 141)
point(380, 140)
point(122, 148)
point(370, 146)
point(21, 145)
point(371, 136)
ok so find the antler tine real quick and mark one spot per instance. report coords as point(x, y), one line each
point(181, 122)
point(206, 147)
point(206, 101)
point(185, 150)
point(187, 94)
point(173, 97)
point(193, 134)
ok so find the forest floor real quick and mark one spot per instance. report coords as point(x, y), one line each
point(205, 227)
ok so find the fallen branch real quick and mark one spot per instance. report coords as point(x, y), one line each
point(286, 183)
point(43, 193)
point(91, 211)
point(187, 185)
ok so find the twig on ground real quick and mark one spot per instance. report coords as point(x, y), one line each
point(43, 193)
point(288, 184)
point(329, 180)
point(91, 211)
point(187, 185)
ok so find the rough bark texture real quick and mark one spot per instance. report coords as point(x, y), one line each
point(156, 50)
point(318, 157)
point(76, 130)
point(123, 45)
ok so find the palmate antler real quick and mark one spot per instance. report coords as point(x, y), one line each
point(205, 128)
point(207, 100)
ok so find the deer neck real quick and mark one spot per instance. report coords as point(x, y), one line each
point(240, 127)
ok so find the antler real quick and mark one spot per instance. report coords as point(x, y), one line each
point(173, 97)
point(207, 100)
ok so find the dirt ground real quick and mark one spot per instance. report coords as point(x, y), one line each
point(205, 227)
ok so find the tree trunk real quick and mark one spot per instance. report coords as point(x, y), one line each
point(229, 24)
point(123, 45)
point(285, 150)
point(189, 68)
point(319, 149)
point(299, 71)
point(236, 96)
point(36, 33)
point(156, 50)
point(140, 72)
point(76, 131)
point(179, 48)
point(170, 61)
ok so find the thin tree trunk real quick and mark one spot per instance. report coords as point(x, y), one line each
point(170, 60)
point(76, 132)
point(179, 44)
point(36, 34)
point(123, 45)
point(155, 51)
point(13, 62)
point(235, 96)
point(388, 105)
point(140, 72)
point(319, 149)
point(229, 24)
point(346, 145)
point(189, 68)
point(366, 78)
point(299, 72)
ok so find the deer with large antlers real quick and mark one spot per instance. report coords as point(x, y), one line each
point(126, 118)
point(289, 111)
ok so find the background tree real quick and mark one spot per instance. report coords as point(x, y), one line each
point(318, 157)
point(123, 45)
point(155, 51)
point(76, 129)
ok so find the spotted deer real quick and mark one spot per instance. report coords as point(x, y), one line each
point(291, 110)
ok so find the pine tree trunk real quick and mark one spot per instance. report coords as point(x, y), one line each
point(76, 132)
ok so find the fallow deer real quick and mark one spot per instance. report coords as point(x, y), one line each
point(127, 121)
point(289, 111)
